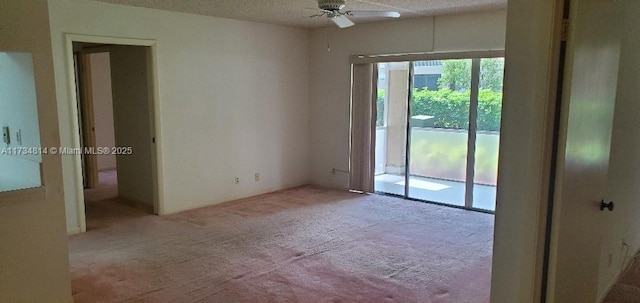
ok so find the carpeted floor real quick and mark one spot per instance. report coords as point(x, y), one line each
point(627, 289)
point(307, 244)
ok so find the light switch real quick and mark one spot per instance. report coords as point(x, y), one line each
point(6, 137)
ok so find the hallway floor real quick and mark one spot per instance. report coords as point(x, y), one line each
point(103, 206)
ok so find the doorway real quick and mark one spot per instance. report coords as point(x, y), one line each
point(116, 126)
point(438, 130)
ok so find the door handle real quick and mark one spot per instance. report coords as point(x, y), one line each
point(604, 205)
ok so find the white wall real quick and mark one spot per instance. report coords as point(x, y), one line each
point(17, 173)
point(233, 99)
point(103, 107)
point(18, 111)
point(34, 263)
point(330, 89)
point(18, 101)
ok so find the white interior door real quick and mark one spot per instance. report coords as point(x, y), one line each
point(583, 157)
point(133, 123)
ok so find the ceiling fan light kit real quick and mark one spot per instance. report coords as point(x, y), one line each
point(333, 9)
point(342, 21)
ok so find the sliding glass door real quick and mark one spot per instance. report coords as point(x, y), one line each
point(391, 128)
point(487, 138)
point(438, 130)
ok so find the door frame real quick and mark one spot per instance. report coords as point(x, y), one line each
point(156, 163)
point(87, 118)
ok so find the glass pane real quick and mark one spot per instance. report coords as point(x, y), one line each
point(393, 79)
point(488, 133)
point(439, 130)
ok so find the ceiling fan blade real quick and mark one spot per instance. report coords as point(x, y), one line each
point(373, 14)
point(342, 21)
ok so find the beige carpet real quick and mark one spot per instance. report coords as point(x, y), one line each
point(307, 244)
point(627, 289)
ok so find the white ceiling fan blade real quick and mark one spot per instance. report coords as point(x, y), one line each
point(342, 21)
point(374, 14)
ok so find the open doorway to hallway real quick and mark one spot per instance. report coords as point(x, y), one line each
point(438, 130)
point(115, 114)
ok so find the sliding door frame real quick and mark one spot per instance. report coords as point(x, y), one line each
point(472, 134)
point(407, 150)
point(363, 59)
point(475, 57)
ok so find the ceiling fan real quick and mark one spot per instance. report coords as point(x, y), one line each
point(333, 9)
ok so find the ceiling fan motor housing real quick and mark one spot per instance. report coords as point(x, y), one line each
point(331, 5)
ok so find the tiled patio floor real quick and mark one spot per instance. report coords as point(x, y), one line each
point(436, 190)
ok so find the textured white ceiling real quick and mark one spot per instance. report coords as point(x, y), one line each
point(297, 12)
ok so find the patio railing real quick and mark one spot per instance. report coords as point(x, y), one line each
point(442, 154)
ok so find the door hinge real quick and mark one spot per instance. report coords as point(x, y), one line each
point(565, 30)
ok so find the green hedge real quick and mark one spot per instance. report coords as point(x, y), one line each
point(489, 110)
point(380, 108)
point(451, 108)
